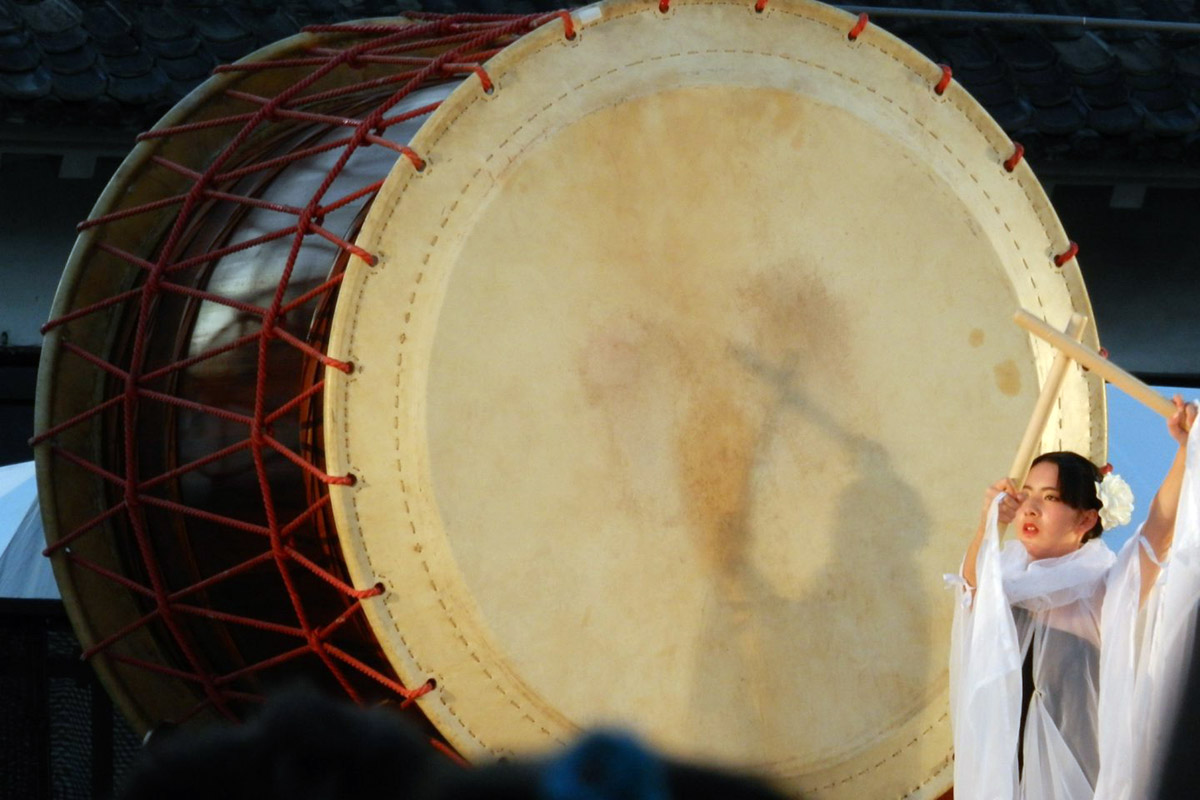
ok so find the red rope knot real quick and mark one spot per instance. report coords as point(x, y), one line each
point(484, 80)
point(374, 591)
point(416, 160)
point(859, 26)
point(1104, 352)
point(568, 25)
point(342, 480)
point(664, 5)
point(413, 694)
point(1107, 468)
point(759, 5)
point(1062, 258)
point(345, 367)
point(947, 73)
point(1011, 162)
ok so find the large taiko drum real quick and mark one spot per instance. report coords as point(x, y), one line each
point(648, 374)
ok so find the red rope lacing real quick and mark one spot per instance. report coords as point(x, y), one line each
point(1065, 256)
point(1011, 162)
point(944, 81)
point(462, 43)
point(859, 27)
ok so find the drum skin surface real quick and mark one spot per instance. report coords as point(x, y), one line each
point(676, 380)
point(650, 380)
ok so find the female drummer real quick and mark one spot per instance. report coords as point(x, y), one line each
point(1038, 633)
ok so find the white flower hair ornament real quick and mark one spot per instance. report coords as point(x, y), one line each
point(1116, 500)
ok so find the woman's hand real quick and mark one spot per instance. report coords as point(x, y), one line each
point(1182, 420)
point(1008, 511)
point(1013, 498)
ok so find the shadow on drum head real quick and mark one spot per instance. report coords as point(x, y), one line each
point(305, 746)
point(856, 617)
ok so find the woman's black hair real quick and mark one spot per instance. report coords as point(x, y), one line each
point(1077, 479)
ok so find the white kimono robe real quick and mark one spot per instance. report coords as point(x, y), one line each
point(1104, 693)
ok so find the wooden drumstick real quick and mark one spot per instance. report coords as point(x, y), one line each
point(1097, 363)
point(1041, 411)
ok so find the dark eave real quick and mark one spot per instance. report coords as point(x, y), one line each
point(1104, 102)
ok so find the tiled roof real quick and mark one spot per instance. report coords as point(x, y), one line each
point(1066, 92)
point(1069, 92)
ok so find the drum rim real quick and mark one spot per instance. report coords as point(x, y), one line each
point(588, 17)
point(125, 683)
point(130, 169)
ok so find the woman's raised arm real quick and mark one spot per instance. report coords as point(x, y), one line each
point(1159, 530)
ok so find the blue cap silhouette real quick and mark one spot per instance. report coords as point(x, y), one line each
point(605, 765)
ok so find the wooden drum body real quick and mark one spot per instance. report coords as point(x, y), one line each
point(656, 385)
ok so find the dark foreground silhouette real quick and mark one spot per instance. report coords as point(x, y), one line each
point(303, 746)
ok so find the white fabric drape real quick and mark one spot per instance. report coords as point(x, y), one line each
point(24, 572)
point(985, 682)
point(1143, 672)
point(1106, 676)
point(1052, 608)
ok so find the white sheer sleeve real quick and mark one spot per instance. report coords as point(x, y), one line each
point(985, 681)
point(1118, 675)
point(1140, 687)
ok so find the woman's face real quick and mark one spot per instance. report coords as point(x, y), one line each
point(1046, 525)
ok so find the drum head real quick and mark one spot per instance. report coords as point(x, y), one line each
point(677, 380)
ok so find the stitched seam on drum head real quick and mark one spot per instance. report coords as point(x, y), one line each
point(421, 668)
point(440, 698)
point(944, 718)
point(548, 106)
point(1023, 181)
point(531, 119)
point(954, 100)
point(956, 105)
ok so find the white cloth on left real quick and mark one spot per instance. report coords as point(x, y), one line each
point(24, 572)
point(1051, 606)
